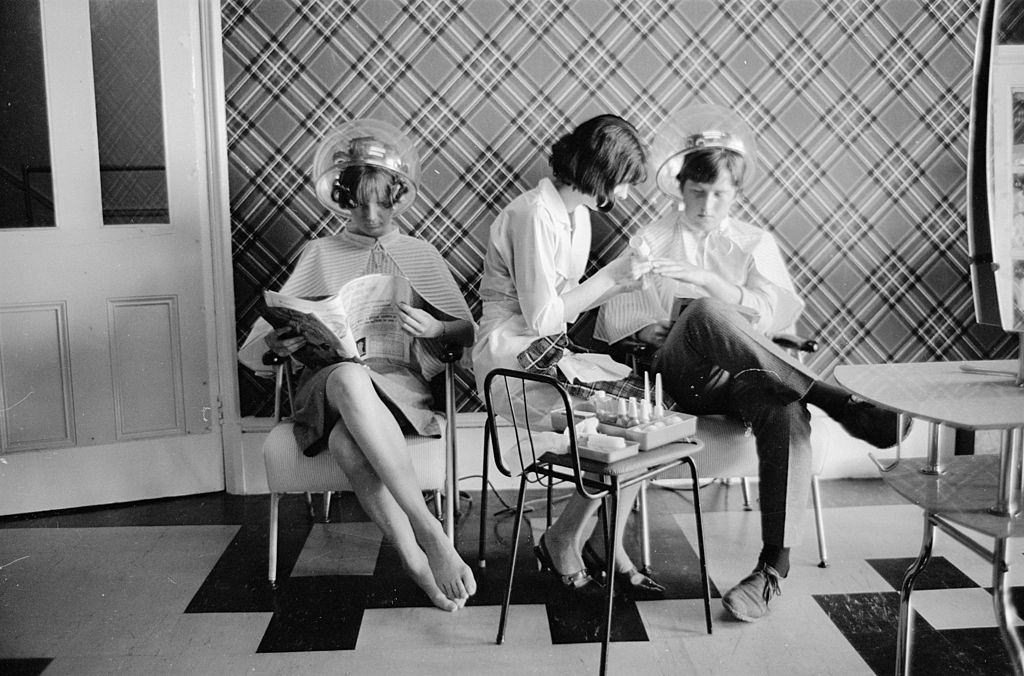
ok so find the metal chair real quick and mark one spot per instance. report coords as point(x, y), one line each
point(507, 394)
point(289, 471)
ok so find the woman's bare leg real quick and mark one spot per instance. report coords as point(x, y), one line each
point(566, 536)
point(377, 434)
point(381, 507)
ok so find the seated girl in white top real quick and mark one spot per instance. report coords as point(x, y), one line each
point(536, 255)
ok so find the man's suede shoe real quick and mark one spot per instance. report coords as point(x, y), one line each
point(867, 422)
point(748, 601)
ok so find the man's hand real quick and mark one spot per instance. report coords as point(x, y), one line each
point(654, 334)
point(284, 341)
point(681, 271)
point(419, 323)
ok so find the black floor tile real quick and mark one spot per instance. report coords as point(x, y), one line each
point(869, 622)
point(314, 613)
point(24, 666)
point(938, 574)
point(583, 621)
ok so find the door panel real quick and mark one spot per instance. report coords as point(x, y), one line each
point(106, 380)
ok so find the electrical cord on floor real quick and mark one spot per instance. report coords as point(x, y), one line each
point(507, 507)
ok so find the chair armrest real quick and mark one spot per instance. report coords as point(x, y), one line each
point(271, 358)
point(791, 341)
point(451, 353)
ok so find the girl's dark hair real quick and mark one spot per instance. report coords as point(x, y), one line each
point(364, 184)
point(598, 155)
point(707, 164)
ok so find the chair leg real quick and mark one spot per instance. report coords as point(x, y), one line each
point(327, 506)
point(551, 502)
point(705, 584)
point(745, 483)
point(272, 539)
point(645, 530)
point(481, 557)
point(516, 531)
point(611, 504)
point(309, 506)
point(819, 522)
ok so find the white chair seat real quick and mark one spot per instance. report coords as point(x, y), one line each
point(289, 471)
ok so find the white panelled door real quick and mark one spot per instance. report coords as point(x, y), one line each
point(108, 385)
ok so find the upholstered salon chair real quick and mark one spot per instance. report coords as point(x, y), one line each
point(289, 471)
point(531, 457)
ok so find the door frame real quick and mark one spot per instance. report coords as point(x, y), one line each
point(209, 46)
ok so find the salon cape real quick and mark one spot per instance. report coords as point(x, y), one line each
point(536, 252)
point(741, 253)
point(329, 262)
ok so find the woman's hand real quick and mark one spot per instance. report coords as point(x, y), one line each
point(627, 272)
point(419, 323)
point(284, 341)
point(654, 334)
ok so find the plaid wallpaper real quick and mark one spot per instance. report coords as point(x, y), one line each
point(861, 109)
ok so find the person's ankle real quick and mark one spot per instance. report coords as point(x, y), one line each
point(777, 557)
point(831, 399)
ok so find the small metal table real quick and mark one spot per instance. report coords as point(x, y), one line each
point(980, 493)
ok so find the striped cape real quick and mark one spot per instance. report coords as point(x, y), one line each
point(329, 262)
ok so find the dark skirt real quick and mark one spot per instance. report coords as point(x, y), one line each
point(405, 392)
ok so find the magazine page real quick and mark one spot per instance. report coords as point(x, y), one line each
point(323, 322)
point(374, 318)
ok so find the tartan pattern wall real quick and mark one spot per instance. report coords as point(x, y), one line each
point(861, 109)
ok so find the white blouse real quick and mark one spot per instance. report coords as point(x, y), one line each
point(537, 250)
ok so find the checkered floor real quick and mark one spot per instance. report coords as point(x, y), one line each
point(179, 586)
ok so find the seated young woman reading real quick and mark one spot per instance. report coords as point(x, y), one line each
point(360, 409)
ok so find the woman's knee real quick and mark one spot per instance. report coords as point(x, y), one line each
point(348, 384)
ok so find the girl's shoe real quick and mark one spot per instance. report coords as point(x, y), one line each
point(579, 583)
point(640, 585)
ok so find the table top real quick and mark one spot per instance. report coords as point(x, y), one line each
point(942, 391)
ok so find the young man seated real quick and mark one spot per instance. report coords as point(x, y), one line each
point(716, 356)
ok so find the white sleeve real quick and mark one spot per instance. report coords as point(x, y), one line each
point(769, 289)
point(533, 241)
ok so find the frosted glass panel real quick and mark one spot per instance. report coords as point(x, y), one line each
point(26, 182)
point(129, 112)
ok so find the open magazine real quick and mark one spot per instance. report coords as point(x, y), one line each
point(361, 320)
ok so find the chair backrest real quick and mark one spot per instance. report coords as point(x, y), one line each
point(507, 396)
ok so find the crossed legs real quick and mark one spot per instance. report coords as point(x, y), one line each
point(368, 444)
point(714, 361)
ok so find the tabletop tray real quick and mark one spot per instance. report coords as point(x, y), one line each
point(685, 425)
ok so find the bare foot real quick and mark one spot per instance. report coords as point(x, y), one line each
point(421, 574)
point(450, 572)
